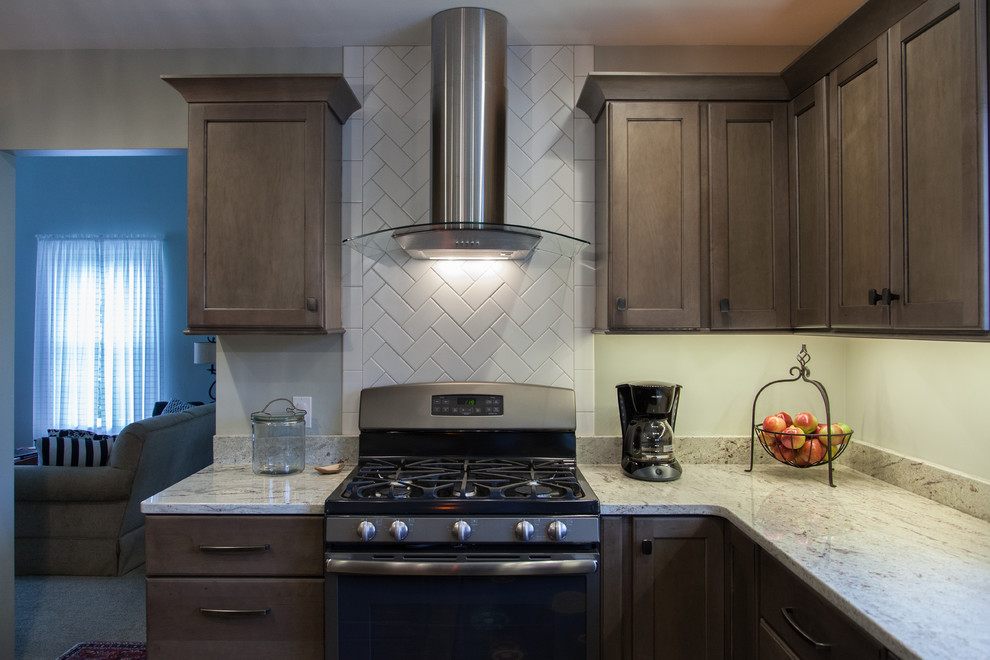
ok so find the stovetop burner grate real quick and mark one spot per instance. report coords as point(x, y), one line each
point(378, 479)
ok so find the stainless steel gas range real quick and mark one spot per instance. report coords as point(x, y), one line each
point(466, 531)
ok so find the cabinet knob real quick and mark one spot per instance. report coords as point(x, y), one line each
point(311, 305)
point(723, 305)
point(620, 304)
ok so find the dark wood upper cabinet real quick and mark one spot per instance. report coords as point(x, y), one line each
point(860, 205)
point(648, 225)
point(859, 186)
point(908, 168)
point(750, 281)
point(264, 202)
point(938, 144)
point(691, 171)
point(808, 133)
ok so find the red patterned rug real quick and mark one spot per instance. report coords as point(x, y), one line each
point(106, 651)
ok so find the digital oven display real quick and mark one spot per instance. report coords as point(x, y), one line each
point(461, 405)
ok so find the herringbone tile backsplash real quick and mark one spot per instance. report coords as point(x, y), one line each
point(414, 321)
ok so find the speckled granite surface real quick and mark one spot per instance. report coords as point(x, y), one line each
point(912, 572)
point(958, 491)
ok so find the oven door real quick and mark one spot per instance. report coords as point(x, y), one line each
point(435, 606)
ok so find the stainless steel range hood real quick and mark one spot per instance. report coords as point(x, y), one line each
point(468, 106)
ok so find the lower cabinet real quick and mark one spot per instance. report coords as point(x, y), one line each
point(697, 587)
point(669, 600)
point(741, 594)
point(230, 586)
point(795, 622)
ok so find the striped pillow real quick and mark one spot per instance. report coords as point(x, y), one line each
point(74, 448)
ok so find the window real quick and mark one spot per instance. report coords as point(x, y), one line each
point(97, 331)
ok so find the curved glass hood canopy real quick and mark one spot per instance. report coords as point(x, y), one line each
point(468, 108)
point(446, 240)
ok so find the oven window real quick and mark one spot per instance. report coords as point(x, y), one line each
point(461, 618)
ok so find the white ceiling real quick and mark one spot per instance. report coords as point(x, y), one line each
point(128, 24)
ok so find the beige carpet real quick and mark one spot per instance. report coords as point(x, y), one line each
point(54, 613)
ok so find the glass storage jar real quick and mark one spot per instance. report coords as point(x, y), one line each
point(278, 440)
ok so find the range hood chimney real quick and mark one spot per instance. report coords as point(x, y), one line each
point(468, 106)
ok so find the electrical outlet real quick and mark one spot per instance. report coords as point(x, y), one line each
point(305, 403)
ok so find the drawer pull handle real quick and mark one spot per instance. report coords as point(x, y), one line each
point(235, 548)
point(788, 613)
point(209, 610)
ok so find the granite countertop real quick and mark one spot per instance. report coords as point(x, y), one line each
point(915, 574)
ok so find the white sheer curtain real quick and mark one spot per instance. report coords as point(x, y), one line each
point(97, 331)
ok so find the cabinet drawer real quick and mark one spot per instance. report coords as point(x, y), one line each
point(241, 619)
point(234, 545)
point(802, 618)
point(771, 646)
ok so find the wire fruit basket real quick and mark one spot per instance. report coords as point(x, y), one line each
point(793, 447)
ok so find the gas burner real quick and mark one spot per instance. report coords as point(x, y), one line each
point(531, 489)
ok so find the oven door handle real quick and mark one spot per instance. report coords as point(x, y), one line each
point(473, 568)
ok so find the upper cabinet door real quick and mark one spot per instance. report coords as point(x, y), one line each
point(256, 230)
point(264, 210)
point(652, 228)
point(808, 132)
point(937, 144)
point(859, 205)
point(749, 221)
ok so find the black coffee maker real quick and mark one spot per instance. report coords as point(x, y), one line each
point(647, 413)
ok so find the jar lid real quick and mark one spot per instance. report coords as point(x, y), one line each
point(290, 414)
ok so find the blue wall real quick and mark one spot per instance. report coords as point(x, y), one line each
point(103, 195)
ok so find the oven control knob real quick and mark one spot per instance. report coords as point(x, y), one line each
point(524, 530)
point(398, 530)
point(366, 530)
point(461, 530)
point(557, 530)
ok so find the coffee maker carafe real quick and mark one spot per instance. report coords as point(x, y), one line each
point(647, 413)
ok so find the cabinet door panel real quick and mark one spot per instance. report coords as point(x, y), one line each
point(255, 168)
point(859, 208)
point(678, 588)
point(749, 224)
point(809, 210)
point(256, 216)
point(937, 201)
point(654, 225)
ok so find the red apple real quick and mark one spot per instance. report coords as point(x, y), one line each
point(839, 433)
point(782, 453)
point(774, 424)
point(792, 437)
point(816, 451)
point(806, 421)
point(787, 418)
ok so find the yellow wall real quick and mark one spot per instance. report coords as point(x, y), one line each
point(720, 376)
point(922, 399)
